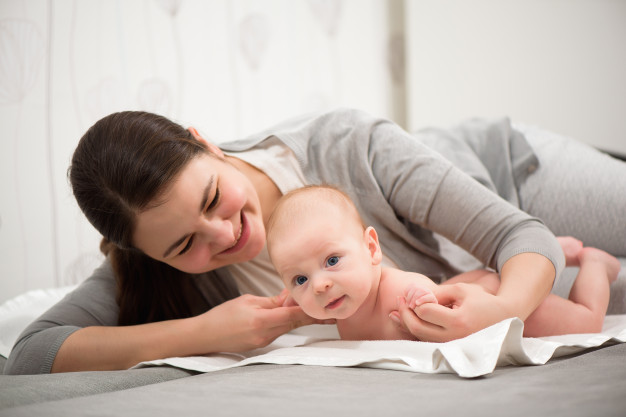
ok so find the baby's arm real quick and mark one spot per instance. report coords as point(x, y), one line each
point(417, 293)
point(419, 289)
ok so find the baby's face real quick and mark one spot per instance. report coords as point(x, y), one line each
point(325, 264)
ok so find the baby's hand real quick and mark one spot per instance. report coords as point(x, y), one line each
point(416, 296)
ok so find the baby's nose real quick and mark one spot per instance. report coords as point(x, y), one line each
point(322, 285)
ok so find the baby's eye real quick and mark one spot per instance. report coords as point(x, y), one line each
point(300, 280)
point(332, 261)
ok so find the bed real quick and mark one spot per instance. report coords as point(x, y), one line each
point(571, 380)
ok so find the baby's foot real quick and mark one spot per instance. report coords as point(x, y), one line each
point(571, 248)
point(610, 262)
point(416, 296)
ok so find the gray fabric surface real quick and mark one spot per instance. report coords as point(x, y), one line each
point(584, 385)
point(603, 178)
point(16, 390)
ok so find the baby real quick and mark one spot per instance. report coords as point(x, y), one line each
point(331, 265)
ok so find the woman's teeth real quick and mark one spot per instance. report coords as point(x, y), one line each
point(238, 236)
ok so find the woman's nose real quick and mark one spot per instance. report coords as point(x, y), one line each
point(217, 230)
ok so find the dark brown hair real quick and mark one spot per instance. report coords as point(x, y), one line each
point(121, 165)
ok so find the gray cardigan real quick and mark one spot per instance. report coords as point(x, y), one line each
point(400, 184)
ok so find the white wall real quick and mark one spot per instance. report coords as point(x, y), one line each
point(560, 64)
point(229, 67)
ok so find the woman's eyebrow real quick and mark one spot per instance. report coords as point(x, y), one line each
point(203, 201)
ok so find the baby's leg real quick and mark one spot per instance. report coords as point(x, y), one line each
point(598, 270)
point(571, 249)
point(585, 309)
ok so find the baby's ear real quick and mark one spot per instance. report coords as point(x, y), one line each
point(371, 240)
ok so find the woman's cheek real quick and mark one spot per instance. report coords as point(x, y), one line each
point(198, 260)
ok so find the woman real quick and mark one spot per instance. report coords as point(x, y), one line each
point(183, 222)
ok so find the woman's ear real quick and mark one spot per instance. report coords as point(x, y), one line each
point(371, 240)
point(212, 148)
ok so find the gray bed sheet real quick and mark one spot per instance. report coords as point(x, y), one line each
point(586, 384)
point(591, 383)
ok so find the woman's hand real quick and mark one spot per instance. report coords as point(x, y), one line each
point(525, 281)
point(244, 323)
point(462, 310)
point(249, 322)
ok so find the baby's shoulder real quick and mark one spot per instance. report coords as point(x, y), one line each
point(396, 281)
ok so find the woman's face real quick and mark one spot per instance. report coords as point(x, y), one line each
point(209, 218)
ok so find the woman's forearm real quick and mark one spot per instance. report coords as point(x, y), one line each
point(526, 280)
point(243, 323)
point(101, 348)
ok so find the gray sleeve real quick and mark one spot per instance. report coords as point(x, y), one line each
point(91, 304)
point(426, 189)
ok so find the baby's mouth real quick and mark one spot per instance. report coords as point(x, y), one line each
point(335, 303)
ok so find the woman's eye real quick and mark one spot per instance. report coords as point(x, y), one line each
point(332, 261)
point(187, 246)
point(300, 280)
point(215, 200)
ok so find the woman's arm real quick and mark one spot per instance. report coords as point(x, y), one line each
point(525, 281)
point(240, 324)
point(80, 332)
point(426, 190)
point(92, 303)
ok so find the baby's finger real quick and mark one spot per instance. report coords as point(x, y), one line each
point(409, 295)
point(414, 325)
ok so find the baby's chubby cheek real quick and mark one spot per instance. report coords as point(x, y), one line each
point(311, 309)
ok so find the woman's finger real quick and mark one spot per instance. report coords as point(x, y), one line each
point(436, 314)
point(450, 295)
point(291, 317)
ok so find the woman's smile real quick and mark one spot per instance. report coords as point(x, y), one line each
point(241, 239)
point(209, 218)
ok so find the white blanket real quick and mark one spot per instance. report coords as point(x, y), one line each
point(478, 354)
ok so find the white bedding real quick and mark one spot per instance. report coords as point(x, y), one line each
point(478, 354)
point(19, 312)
